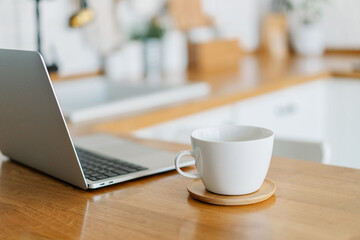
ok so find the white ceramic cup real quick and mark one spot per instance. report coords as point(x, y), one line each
point(230, 159)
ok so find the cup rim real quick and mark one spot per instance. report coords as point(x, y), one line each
point(270, 135)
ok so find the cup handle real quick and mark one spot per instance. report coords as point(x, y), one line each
point(177, 159)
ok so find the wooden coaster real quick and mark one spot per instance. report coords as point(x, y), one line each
point(197, 190)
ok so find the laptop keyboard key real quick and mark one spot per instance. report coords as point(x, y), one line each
point(102, 171)
point(100, 177)
point(140, 168)
point(120, 172)
point(111, 174)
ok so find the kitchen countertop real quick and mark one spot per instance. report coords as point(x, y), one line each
point(312, 201)
point(256, 75)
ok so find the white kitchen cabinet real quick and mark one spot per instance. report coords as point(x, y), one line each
point(294, 113)
point(179, 130)
point(323, 112)
point(343, 122)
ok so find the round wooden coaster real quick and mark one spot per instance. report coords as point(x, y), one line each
point(197, 190)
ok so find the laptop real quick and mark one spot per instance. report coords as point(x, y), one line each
point(33, 132)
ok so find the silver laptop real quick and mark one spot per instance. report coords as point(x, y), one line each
point(33, 132)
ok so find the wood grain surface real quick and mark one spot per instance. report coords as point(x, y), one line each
point(312, 201)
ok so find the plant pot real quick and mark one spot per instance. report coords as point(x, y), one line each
point(308, 39)
point(153, 59)
point(125, 64)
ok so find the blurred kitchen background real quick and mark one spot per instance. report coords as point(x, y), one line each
point(226, 62)
point(133, 39)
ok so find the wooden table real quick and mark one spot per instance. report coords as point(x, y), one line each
point(312, 201)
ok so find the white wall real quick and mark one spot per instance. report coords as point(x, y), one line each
point(341, 24)
point(68, 47)
point(17, 24)
point(75, 52)
point(242, 19)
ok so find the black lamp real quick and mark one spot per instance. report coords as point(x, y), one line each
point(53, 67)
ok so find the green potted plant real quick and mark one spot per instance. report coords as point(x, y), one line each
point(152, 37)
point(305, 26)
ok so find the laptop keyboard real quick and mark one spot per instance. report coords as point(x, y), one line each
point(97, 167)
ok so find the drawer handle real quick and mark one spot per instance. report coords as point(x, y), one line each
point(285, 110)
